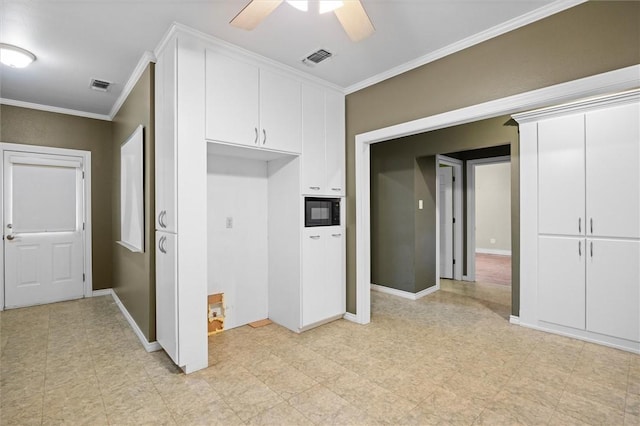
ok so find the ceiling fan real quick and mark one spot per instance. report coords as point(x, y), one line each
point(350, 13)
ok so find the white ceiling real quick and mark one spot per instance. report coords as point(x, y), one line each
point(75, 41)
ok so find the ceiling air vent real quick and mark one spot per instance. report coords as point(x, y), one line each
point(100, 85)
point(317, 57)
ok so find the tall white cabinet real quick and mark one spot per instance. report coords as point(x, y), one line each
point(181, 167)
point(580, 225)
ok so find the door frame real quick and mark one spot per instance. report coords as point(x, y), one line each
point(86, 164)
point(599, 84)
point(457, 214)
point(471, 209)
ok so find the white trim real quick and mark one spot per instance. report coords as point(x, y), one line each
point(147, 57)
point(609, 82)
point(102, 292)
point(505, 27)
point(458, 242)
point(87, 235)
point(58, 110)
point(514, 320)
point(493, 251)
point(148, 346)
point(471, 209)
point(350, 317)
point(406, 294)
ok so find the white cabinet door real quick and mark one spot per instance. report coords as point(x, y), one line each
point(334, 277)
point(613, 171)
point(561, 281)
point(313, 140)
point(313, 275)
point(561, 176)
point(167, 294)
point(613, 288)
point(335, 146)
point(165, 147)
point(280, 112)
point(232, 98)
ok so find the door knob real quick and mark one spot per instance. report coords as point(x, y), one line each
point(10, 237)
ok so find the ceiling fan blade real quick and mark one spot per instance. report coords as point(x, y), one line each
point(354, 20)
point(254, 13)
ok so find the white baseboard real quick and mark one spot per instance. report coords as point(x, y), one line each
point(350, 317)
point(405, 294)
point(493, 251)
point(514, 320)
point(148, 346)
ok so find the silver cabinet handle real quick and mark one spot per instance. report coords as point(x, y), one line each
point(161, 245)
point(580, 225)
point(9, 225)
point(315, 188)
point(580, 248)
point(163, 214)
point(255, 141)
point(336, 189)
point(264, 132)
point(591, 224)
point(336, 235)
point(591, 248)
point(10, 237)
point(314, 237)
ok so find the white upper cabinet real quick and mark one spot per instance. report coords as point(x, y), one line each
point(251, 105)
point(232, 96)
point(323, 141)
point(613, 175)
point(561, 176)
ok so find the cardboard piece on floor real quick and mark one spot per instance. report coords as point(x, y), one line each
point(260, 323)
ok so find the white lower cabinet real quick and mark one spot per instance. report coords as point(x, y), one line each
point(613, 288)
point(323, 278)
point(561, 281)
point(167, 294)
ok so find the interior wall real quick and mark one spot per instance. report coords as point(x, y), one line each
point(397, 223)
point(588, 39)
point(34, 127)
point(237, 189)
point(493, 207)
point(134, 273)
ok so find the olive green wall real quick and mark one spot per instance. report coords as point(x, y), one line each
point(399, 224)
point(588, 39)
point(33, 127)
point(134, 273)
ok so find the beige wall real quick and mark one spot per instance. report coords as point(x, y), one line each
point(493, 207)
point(33, 127)
point(591, 38)
point(134, 273)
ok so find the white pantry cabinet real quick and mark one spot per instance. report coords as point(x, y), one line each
point(181, 167)
point(323, 139)
point(251, 105)
point(580, 204)
point(323, 274)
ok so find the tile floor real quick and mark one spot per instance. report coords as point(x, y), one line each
point(449, 358)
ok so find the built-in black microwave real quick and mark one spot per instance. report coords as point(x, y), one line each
point(321, 211)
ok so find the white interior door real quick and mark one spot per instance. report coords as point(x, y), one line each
point(43, 228)
point(446, 222)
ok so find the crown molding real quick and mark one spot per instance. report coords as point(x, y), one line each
point(144, 61)
point(513, 24)
point(58, 110)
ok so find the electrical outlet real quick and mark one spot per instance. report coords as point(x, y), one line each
point(229, 222)
point(492, 240)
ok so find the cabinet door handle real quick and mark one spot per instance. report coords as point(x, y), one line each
point(163, 213)
point(315, 188)
point(264, 133)
point(591, 248)
point(579, 225)
point(580, 248)
point(336, 235)
point(591, 224)
point(255, 141)
point(160, 245)
point(160, 219)
point(336, 189)
point(314, 237)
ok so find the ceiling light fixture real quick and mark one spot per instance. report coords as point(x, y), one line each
point(324, 6)
point(14, 56)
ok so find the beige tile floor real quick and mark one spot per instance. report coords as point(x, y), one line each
point(449, 358)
